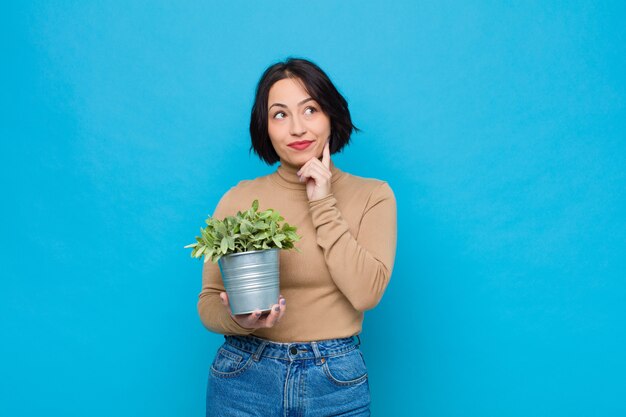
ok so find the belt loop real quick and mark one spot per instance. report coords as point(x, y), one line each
point(257, 354)
point(359, 338)
point(318, 356)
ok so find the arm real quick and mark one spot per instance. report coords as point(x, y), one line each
point(214, 316)
point(360, 267)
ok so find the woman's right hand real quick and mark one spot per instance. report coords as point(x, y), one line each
point(255, 320)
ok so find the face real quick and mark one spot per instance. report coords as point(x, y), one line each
point(293, 116)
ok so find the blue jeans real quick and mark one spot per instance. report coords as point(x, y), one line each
point(251, 376)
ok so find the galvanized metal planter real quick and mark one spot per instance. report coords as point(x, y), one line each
point(251, 279)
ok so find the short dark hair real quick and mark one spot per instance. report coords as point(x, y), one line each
point(321, 89)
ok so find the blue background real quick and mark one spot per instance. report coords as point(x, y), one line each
point(500, 128)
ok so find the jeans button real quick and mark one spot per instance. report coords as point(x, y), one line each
point(293, 350)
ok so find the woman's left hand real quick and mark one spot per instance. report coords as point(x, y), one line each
point(317, 175)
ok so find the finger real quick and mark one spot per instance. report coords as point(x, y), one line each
point(318, 173)
point(307, 164)
point(320, 164)
point(225, 301)
point(283, 308)
point(251, 320)
point(321, 170)
point(306, 169)
point(271, 319)
point(303, 167)
point(326, 155)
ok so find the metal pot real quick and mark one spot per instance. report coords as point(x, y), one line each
point(251, 279)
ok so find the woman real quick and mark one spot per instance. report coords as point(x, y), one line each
point(301, 358)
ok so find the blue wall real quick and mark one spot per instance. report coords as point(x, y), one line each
point(499, 127)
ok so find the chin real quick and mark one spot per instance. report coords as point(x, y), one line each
point(302, 157)
point(301, 161)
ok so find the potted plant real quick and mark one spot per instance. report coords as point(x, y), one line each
point(246, 248)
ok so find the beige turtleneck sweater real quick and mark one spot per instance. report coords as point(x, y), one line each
point(348, 248)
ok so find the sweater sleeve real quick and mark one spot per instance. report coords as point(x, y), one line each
point(360, 266)
point(214, 316)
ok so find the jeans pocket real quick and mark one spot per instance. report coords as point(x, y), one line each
point(230, 362)
point(346, 369)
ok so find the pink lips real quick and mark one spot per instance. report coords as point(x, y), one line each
point(300, 145)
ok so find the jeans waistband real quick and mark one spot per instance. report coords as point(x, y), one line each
point(318, 350)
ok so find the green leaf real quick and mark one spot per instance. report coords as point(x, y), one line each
point(261, 225)
point(207, 237)
point(224, 244)
point(277, 242)
point(255, 205)
point(220, 228)
point(199, 251)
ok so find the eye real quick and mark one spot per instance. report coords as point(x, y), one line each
point(313, 110)
point(277, 113)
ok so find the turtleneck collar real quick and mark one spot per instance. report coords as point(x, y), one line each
point(286, 176)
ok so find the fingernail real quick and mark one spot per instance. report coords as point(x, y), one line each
point(283, 301)
point(258, 313)
point(277, 308)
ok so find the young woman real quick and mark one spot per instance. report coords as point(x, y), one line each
point(301, 359)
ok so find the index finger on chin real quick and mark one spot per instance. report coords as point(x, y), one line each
point(326, 155)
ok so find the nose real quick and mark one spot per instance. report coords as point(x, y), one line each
point(297, 128)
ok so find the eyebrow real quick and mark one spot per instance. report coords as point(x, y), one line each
point(299, 104)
